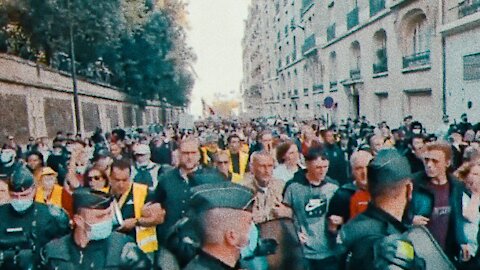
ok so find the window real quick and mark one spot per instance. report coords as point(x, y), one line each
point(420, 36)
point(376, 6)
point(380, 51)
point(355, 62)
point(471, 67)
point(331, 32)
point(333, 72)
point(417, 36)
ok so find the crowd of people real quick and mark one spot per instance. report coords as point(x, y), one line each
point(243, 195)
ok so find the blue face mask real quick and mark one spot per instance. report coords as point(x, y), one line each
point(101, 230)
point(21, 205)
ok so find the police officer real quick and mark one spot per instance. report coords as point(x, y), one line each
point(27, 225)
point(93, 245)
point(225, 221)
point(375, 240)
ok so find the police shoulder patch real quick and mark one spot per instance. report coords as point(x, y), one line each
point(55, 211)
point(394, 250)
point(60, 216)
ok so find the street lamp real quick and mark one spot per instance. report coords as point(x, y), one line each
point(163, 104)
point(73, 71)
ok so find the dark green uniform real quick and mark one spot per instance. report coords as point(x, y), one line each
point(374, 240)
point(205, 261)
point(29, 230)
point(116, 252)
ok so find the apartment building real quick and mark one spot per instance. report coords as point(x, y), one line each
point(380, 58)
point(460, 22)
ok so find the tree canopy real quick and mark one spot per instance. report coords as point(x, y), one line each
point(133, 45)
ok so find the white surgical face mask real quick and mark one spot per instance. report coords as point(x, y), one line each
point(100, 230)
point(7, 158)
point(81, 169)
point(21, 205)
point(57, 151)
point(69, 148)
point(48, 184)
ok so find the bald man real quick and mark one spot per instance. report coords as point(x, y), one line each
point(352, 198)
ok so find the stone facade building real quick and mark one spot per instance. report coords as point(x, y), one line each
point(380, 58)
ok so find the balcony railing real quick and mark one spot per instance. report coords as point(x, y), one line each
point(295, 93)
point(333, 85)
point(355, 74)
point(306, 4)
point(331, 32)
point(468, 8)
point(309, 44)
point(380, 67)
point(376, 6)
point(317, 88)
point(352, 18)
point(417, 59)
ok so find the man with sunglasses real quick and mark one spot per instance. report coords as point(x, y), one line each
point(12, 144)
point(27, 225)
point(221, 162)
point(93, 244)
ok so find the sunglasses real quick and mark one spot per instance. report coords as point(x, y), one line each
point(95, 177)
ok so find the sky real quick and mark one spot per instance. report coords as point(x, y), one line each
point(216, 32)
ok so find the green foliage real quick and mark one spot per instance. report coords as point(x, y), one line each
point(143, 49)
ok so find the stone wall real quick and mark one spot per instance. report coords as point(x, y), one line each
point(37, 101)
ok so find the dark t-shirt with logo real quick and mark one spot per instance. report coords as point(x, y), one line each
point(438, 224)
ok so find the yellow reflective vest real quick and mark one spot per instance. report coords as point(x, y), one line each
point(243, 160)
point(55, 197)
point(146, 236)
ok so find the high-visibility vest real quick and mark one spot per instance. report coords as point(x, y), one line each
point(243, 160)
point(54, 199)
point(146, 237)
point(205, 157)
point(245, 148)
